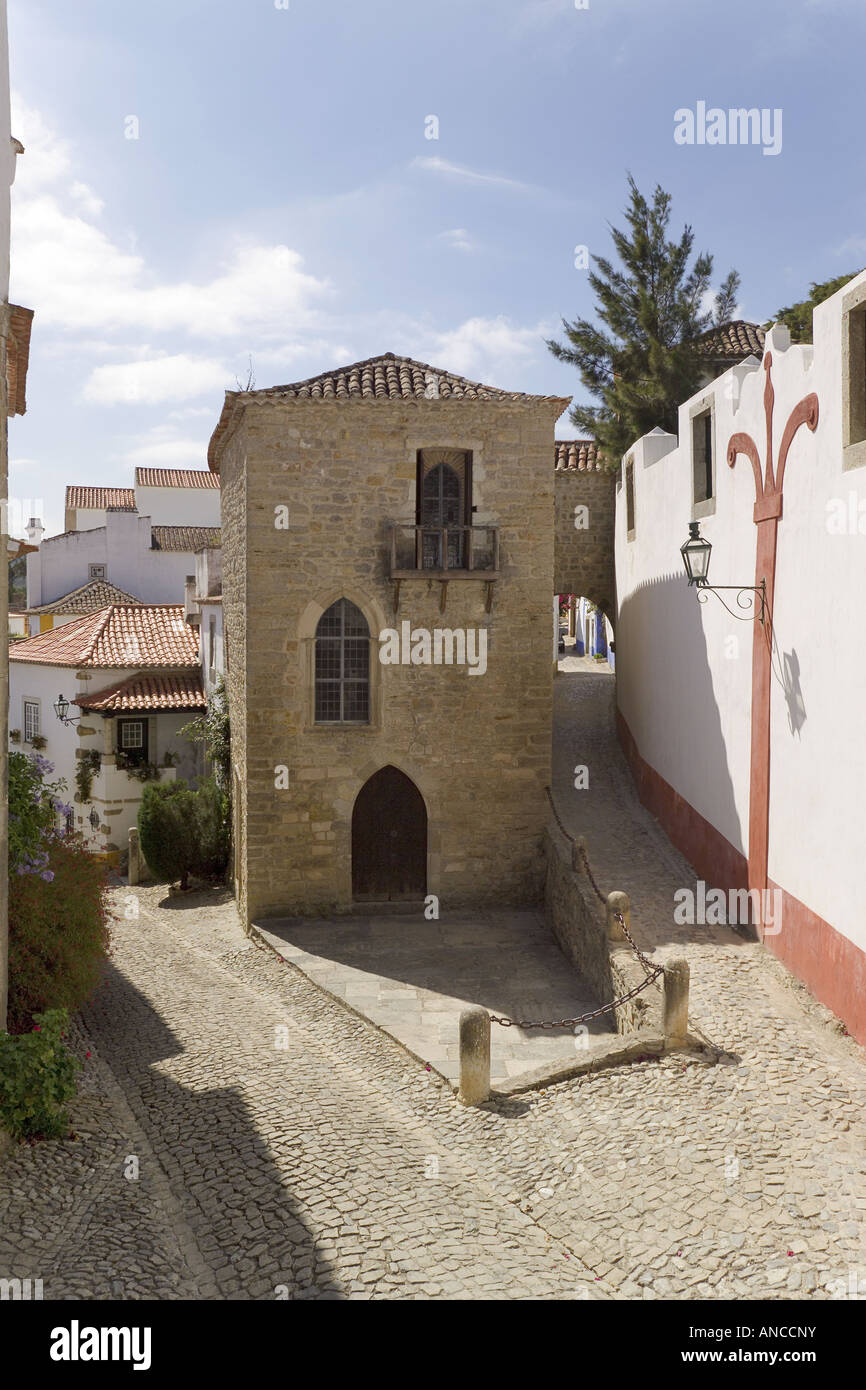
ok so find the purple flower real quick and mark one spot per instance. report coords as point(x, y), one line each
point(47, 875)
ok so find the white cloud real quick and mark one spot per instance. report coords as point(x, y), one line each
point(488, 349)
point(97, 285)
point(458, 239)
point(161, 450)
point(148, 382)
point(435, 165)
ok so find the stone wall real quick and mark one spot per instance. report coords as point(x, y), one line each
point(579, 924)
point(583, 556)
point(477, 747)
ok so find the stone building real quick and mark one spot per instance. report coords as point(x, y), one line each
point(388, 566)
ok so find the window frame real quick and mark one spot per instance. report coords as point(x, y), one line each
point(854, 379)
point(704, 409)
point(630, 507)
point(28, 702)
point(342, 680)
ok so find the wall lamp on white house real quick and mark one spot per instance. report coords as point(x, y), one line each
point(696, 558)
point(61, 709)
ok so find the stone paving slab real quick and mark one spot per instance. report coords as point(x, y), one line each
point(413, 977)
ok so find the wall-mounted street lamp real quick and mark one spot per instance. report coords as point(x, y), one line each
point(61, 709)
point(696, 558)
point(94, 818)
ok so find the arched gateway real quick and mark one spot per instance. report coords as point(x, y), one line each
point(389, 839)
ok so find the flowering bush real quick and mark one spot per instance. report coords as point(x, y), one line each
point(37, 1079)
point(58, 921)
point(34, 806)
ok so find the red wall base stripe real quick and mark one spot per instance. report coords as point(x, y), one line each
point(830, 965)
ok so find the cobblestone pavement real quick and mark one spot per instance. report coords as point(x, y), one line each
point(285, 1146)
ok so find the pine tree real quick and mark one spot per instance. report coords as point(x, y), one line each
point(798, 317)
point(641, 364)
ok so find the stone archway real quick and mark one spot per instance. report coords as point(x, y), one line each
point(389, 839)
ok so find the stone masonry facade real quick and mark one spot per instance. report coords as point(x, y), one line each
point(584, 554)
point(476, 747)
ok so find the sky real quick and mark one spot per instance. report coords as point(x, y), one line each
point(294, 185)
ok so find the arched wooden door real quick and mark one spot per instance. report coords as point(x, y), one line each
point(389, 839)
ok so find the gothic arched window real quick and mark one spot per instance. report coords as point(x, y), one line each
point(342, 665)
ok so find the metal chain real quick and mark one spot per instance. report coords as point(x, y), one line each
point(653, 971)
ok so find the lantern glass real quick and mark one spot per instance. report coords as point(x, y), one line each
point(696, 555)
point(61, 707)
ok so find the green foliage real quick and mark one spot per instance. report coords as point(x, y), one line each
point(88, 764)
point(214, 731)
point(166, 826)
point(37, 1079)
point(641, 365)
point(798, 317)
point(58, 931)
point(211, 830)
point(33, 805)
point(142, 772)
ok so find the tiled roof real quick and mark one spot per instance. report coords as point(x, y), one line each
point(17, 358)
point(180, 690)
point(138, 635)
point(175, 477)
point(383, 378)
point(184, 537)
point(732, 342)
point(98, 498)
point(580, 455)
point(97, 594)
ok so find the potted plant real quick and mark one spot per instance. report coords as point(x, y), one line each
point(14, 735)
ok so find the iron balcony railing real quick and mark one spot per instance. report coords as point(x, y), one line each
point(444, 552)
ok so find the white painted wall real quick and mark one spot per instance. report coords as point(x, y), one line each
point(684, 670)
point(179, 506)
point(123, 545)
point(45, 683)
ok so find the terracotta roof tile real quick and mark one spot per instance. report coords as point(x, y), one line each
point(175, 477)
point(383, 378)
point(180, 690)
point(98, 498)
point(185, 537)
point(732, 342)
point(580, 455)
point(138, 635)
point(17, 358)
point(97, 594)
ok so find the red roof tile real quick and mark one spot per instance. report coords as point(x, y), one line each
point(180, 691)
point(86, 599)
point(383, 378)
point(98, 498)
point(184, 537)
point(577, 454)
point(17, 358)
point(175, 477)
point(138, 635)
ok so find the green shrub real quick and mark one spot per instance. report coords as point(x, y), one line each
point(58, 931)
point(166, 830)
point(210, 831)
point(33, 808)
point(37, 1079)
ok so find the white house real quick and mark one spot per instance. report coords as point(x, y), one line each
point(169, 496)
point(146, 561)
point(746, 737)
point(127, 679)
point(204, 610)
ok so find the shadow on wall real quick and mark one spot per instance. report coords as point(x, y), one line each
point(664, 684)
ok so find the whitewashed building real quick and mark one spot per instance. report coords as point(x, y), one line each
point(746, 737)
point(128, 679)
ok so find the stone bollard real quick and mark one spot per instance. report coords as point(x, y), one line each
point(675, 1010)
point(578, 846)
point(617, 902)
point(474, 1057)
point(134, 871)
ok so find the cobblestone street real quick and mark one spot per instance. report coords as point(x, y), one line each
point(286, 1147)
